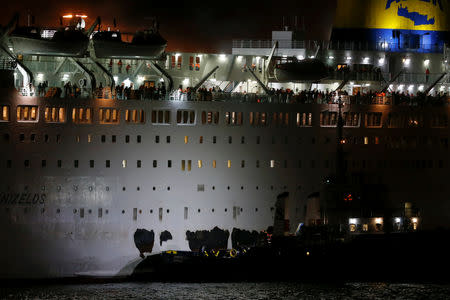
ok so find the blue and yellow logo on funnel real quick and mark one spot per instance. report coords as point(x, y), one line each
point(429, 15)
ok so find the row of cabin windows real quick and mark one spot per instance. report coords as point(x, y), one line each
point(176, 62)
point(389, 141)
point(29, 113)
point(81, 212)
point(188, 165)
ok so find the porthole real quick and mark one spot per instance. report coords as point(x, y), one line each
point(43, 188)
point(124, 188)
point(213, 187)
point(198, 210)
point(25, 188)
point(90, 211)
point(138, 188)
point(168, 211)
point(91, 188)
point(257, 187)
point(226, 209)
point(140, 211)
point(256, 209)
point(107, 188)
point(271, 209)
point(242, 209)
point(74, 211)
point(285, 187)
point(212, 210)
point(168, 188)
point(228, 187)
point(271, 187)
point(75, 188)
point(154, 188)
point(242, 187)
point(151, 211)
point(106, 211)
point(58, 211)
point(58, 188)
point(123, 211)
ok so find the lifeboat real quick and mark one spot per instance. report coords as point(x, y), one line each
point(308, 70)
point(65, 42)
point(148, 44)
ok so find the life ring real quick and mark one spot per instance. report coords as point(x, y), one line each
point(233, 253)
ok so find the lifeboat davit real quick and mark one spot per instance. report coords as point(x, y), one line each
point(147, 44)
point(65, 42)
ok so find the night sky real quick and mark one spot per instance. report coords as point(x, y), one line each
point(189, 25)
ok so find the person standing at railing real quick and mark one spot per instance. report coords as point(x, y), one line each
point(427, 75)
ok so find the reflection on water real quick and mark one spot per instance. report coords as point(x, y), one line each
point(246, 290)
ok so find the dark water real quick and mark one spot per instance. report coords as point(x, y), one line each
point(231, 291)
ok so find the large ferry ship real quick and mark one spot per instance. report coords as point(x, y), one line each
point(113, 149)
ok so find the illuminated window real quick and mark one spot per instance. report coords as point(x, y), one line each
point(4, 117)
point(124, 163)
point(186, 139)
point(351, 119)
point(328, 118)
point(214, 163)
point(89, 138)
point(109, 116)
point(272, 163)
point(373, 119)
point(27, 113)
point(201, 140)
point(55, 115)
point(229, 163)
point(82, 115)
point(210, 117)
point(189, 165)
point(233, 118)
point(366, 140)
point(183, 165)
point(200, 164)
point(304, 119)
point(136, 116)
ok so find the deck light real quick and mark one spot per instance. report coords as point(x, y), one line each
point(365, 60)
point(222, 57)
point(349, 58)
point(352, 221)
point(300, 57)
point(397, 220)
point(312, 57)
point(411, 87)
point(379, 221)
point(414, 220)
point(381, 61)
point(239, 58)
point(68, 16)
point(426, 62)
point(330, 57)
point(406, 62)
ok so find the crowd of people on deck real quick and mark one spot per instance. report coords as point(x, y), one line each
point(159, 92)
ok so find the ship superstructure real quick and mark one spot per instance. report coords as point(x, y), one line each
point(143, 155)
